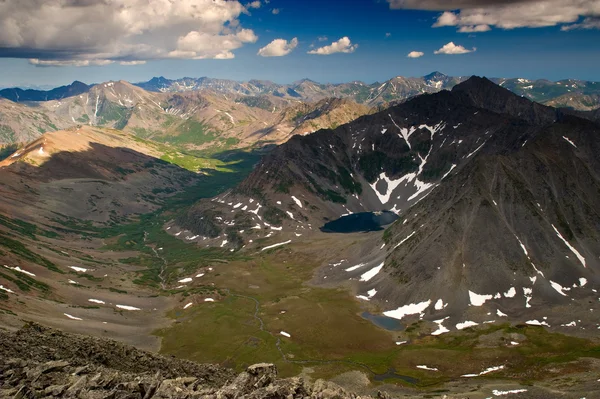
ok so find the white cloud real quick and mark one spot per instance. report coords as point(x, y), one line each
point(475, 28)
point(77, 63)
point(254, 4)
point(88, 32)
point(388, 34)
point(415, 54)
point(278, 48)
point(131, 63)
point(275, 11)
point(344, 45)
point(452, 48)
point(200, 45)
point(588, 23)
point(475, 15)
point(322, 38)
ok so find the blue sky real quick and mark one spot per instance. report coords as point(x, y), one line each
point(384, 35)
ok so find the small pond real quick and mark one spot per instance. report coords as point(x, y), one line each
point(360, 222)
point(387, 323)
point(392, 375)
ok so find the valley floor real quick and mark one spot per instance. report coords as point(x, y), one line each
point(138, 284)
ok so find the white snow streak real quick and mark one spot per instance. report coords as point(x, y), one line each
point(577, 254)
point(276, 245)
point(569, 141)
point(125, 307)
point(297, 201)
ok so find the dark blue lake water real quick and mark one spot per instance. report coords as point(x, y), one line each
point(382, 321)
point(360, 222)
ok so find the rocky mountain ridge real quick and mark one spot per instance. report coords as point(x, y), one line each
point(381, 93)
point(197, 120)
point(494, 193)
point(45, 363)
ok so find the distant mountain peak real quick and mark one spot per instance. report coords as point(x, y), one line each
point(435, 75)
point(483, 93)
point(480, 84)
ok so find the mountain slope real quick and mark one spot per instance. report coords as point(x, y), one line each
point(383, 161)
point(487, 184)
point(196, 120)
point(517, 229)
point(109, 170)
point(20, 123)
point(576, 101)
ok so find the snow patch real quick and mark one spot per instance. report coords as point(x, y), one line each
point(410, 309)
point(466, 324)
point(125, 307)
point(18, 269)
point(537, 323)
point(97, 301)
point(439, 305)
point(559, 288)
point(297, 201)
point(371, 273)
point(441, 329)
point(502, 393)
point(478, 300)
point(72, 317)
point(3, 288)
point(486, 371)
point(423, 367)
point(78, 269)
point(285, 334)
point(350, 269)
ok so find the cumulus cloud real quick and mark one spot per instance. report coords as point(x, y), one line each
point(479, 15)
point(344, 45)
point(254, 4)
point(275, 11)
point(415, 54)
point(452, 48)
point(90, 32)
point(278, 48)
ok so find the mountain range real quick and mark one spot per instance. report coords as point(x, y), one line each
point(217, 114)
point(496, 197)
point(206, 224)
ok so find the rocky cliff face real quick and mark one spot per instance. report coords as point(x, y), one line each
point(38, 362)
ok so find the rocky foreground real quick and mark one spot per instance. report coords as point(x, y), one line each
point(39, 362)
